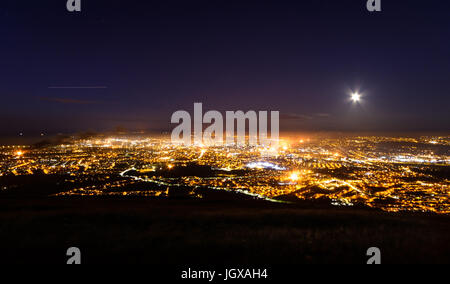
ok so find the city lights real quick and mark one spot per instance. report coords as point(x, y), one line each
point(344, 171)
point(294, 176)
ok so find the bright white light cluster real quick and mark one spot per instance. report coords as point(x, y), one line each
point(264, 165)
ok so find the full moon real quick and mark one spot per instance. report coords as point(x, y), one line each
point(356, 97)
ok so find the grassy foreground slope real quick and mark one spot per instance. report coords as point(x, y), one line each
point(214, 231)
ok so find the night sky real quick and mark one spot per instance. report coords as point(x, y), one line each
point(133, 63)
